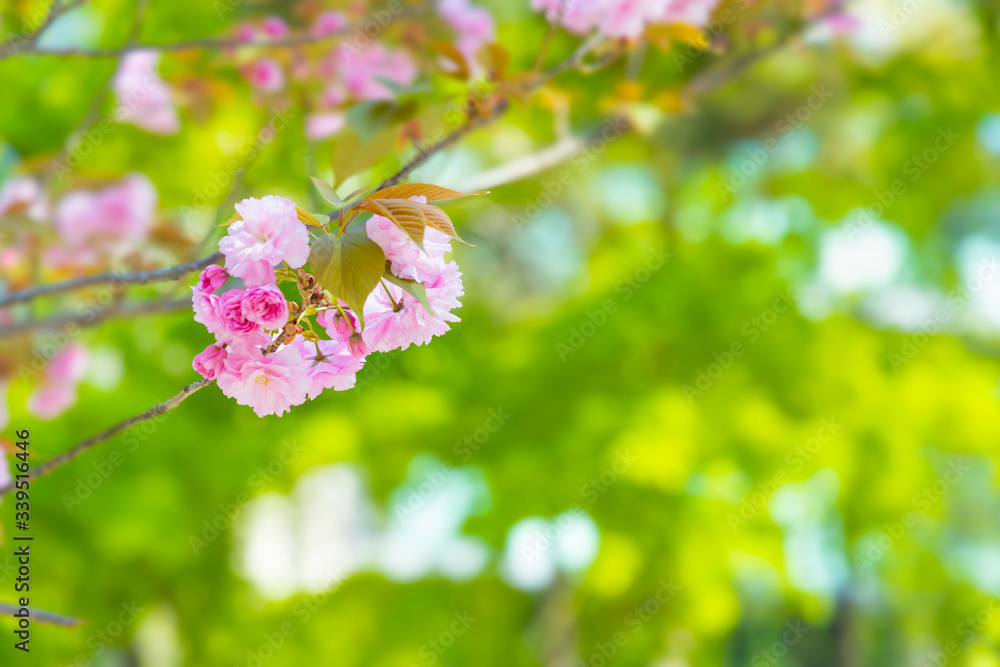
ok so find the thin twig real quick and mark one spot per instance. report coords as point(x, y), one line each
point(715, 77)
point(523, 167)
point(96, 316)
point(66, 457)
point(112, 277)
point(42, 616)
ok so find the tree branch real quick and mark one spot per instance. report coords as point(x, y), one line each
point(96, 316)
point(66, 457)
point(43, 616)
point(523, 167)
point(113, 277)
point(8, 50)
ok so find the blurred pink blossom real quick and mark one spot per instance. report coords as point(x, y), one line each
point(329, 23)
point(322, 125)
point(473, 26)
point(362, 71)
point(624, 18)
point(56, 391)
point(246, 32)
point(114, 220)
point(144, 100)
point(265, 75)
point(274, 27)
point(695, 13)
point(24, 195)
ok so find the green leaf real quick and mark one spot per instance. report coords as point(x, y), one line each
point(348, 266)
point(307, 218)
point(327, 193)
point(411, 287)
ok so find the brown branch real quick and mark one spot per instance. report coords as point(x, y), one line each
point(474, 121)
point(713, 78)
point(112, 277)
point(43, 616)
point(13, 46)
point(96, 316)
point(66, 457)
point(304, 39)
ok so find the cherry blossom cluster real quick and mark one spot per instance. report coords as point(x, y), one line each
point(57, 371)
point(266, 354)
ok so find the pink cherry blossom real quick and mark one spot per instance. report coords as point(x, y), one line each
point(212, 278)
point(56, 392)
point(695, 13)
point(210, 361)
point(388, 327)
point(246, 32)
point(223, 316)
point(144, 100)
point(322, 125)
point(627, 18)
point(339, 330)
point(270, 384)
point(363, 69)
point(473, 26)
point(265, 75)
point(269, 233)
point(331, 367)
point(50, 401)
point(232, 315)
point(69, 365)
point(23, 195)
point(113, 220)
point(624, 18)
point(577, 16)
point(265, 306)
point(329, 23)
point(274, 27)
point(407, 260)
point(206, 310)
